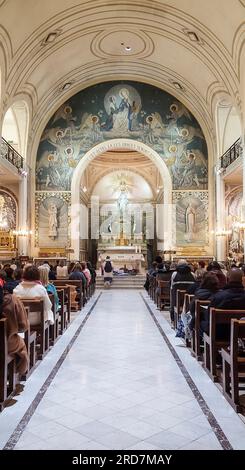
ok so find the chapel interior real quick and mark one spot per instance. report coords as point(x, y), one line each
point(122, 225)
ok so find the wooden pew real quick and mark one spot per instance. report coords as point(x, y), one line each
point(164, 295)
point(37, 305)
point(7, 367)
point(186, 307)
point(233, 366)
point(54, 329)
point(30, 342)
point(212, 344)
point(62, 310)
point(180, 296)
point(80, 294)
point(195, 341)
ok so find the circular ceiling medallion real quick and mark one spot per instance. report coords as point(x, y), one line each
point(122, 43)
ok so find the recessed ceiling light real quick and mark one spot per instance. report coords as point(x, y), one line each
point(128, 48)
point(51, 37)
point(193, 36)
point(178, 86)
point(66, 86)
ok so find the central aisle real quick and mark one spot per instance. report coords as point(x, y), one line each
point(119, 388)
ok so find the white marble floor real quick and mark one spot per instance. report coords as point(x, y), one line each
point(121, 388)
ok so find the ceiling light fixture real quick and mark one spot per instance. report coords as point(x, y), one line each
point(66, 86)
point(178, 85)
point(51, 37)
point(128, 48)
point(193, 36)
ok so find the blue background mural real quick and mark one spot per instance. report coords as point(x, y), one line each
point(122, 109)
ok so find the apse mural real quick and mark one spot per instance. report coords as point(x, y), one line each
point(129, 110)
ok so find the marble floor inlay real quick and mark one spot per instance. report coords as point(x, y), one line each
point(122, 381)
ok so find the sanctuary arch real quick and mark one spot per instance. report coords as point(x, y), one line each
point(133, 116)
point(124, 144)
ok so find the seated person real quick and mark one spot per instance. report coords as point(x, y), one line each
point(232, 297)
point(10, 282)
point(162, 274)
point(214, 266)
point(92, 271)
point(50, 288)
point(208, 288)
point(182, 278)
point(30, 288)
point(52, 273)
point(149, 274)
point(86, 272)
point(61, 270)
point(199, 277)
point(13, 310)
point(78, 275)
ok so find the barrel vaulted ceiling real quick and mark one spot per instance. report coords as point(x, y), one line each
point(51, 49)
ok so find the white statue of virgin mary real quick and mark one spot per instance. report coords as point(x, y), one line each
point(190, 221)
point(53, 224)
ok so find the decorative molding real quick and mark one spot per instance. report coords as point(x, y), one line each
point(106, 44)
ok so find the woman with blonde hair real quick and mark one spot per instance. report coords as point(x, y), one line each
point(50, 288)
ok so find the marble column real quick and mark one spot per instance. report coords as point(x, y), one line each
point(221, 241)
point(243, 185)
point(23, 241)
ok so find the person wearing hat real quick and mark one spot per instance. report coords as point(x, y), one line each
point(232, 297)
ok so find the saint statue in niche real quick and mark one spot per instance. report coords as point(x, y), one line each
point(190, 221)
point(3, 214)
point(53, 224)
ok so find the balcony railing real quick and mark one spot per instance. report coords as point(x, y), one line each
point(234, 152)
point(11, 155)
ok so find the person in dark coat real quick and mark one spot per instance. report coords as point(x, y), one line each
point(207, 289)
point(232, 297)
point(182, 278)
point(216, 268)
point(10, 282)
point(77, 275)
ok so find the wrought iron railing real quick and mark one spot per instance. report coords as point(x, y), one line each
point(11, 155)
point(234, 152)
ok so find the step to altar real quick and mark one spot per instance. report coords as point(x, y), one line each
point(121, 282)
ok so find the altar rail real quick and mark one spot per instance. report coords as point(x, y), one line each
point(11, 155)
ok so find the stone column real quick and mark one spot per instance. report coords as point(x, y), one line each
point(23, 241)
point(221, 241)
point(243, 186)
